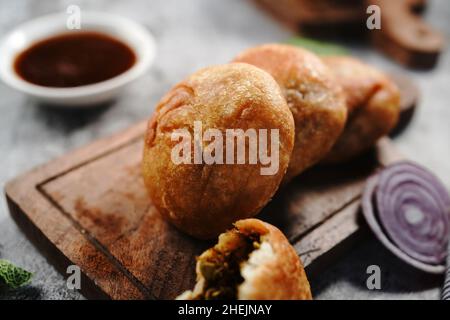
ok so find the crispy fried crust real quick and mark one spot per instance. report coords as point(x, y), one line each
point(272, 272)
point(280, 276)
point(204, 200)
point(315, 100)
point(373, 103)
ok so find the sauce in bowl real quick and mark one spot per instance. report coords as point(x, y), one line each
point(73, 60)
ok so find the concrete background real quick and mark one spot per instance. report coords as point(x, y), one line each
point(192, 34)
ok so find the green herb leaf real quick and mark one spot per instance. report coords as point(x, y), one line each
point(12, 276)
point(318, 47)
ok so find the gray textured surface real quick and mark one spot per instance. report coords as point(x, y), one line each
point(192, 34)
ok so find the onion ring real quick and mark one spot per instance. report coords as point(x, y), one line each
point(408, 209)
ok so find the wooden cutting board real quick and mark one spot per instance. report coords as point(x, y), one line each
point(90, 208)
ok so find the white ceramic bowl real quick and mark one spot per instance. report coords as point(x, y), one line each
point(128, 31)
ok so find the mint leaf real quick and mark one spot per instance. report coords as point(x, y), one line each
point(12, 276)
point(318, 47)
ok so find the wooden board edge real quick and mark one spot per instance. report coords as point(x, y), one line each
point(76, 158)
point(51, 253)
point(341, 232)
point(56, 256)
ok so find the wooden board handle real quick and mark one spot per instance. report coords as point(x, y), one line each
point(405, 36)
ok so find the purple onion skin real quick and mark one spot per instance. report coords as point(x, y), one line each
point(408, 209)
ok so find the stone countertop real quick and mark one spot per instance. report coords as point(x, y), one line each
point(192, 34)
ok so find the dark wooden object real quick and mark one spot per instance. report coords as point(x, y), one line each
point(404, 35)
point(90, 208)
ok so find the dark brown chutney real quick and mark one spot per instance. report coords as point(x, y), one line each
point(74, 59)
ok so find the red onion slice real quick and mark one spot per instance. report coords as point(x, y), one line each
point(408, 209)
